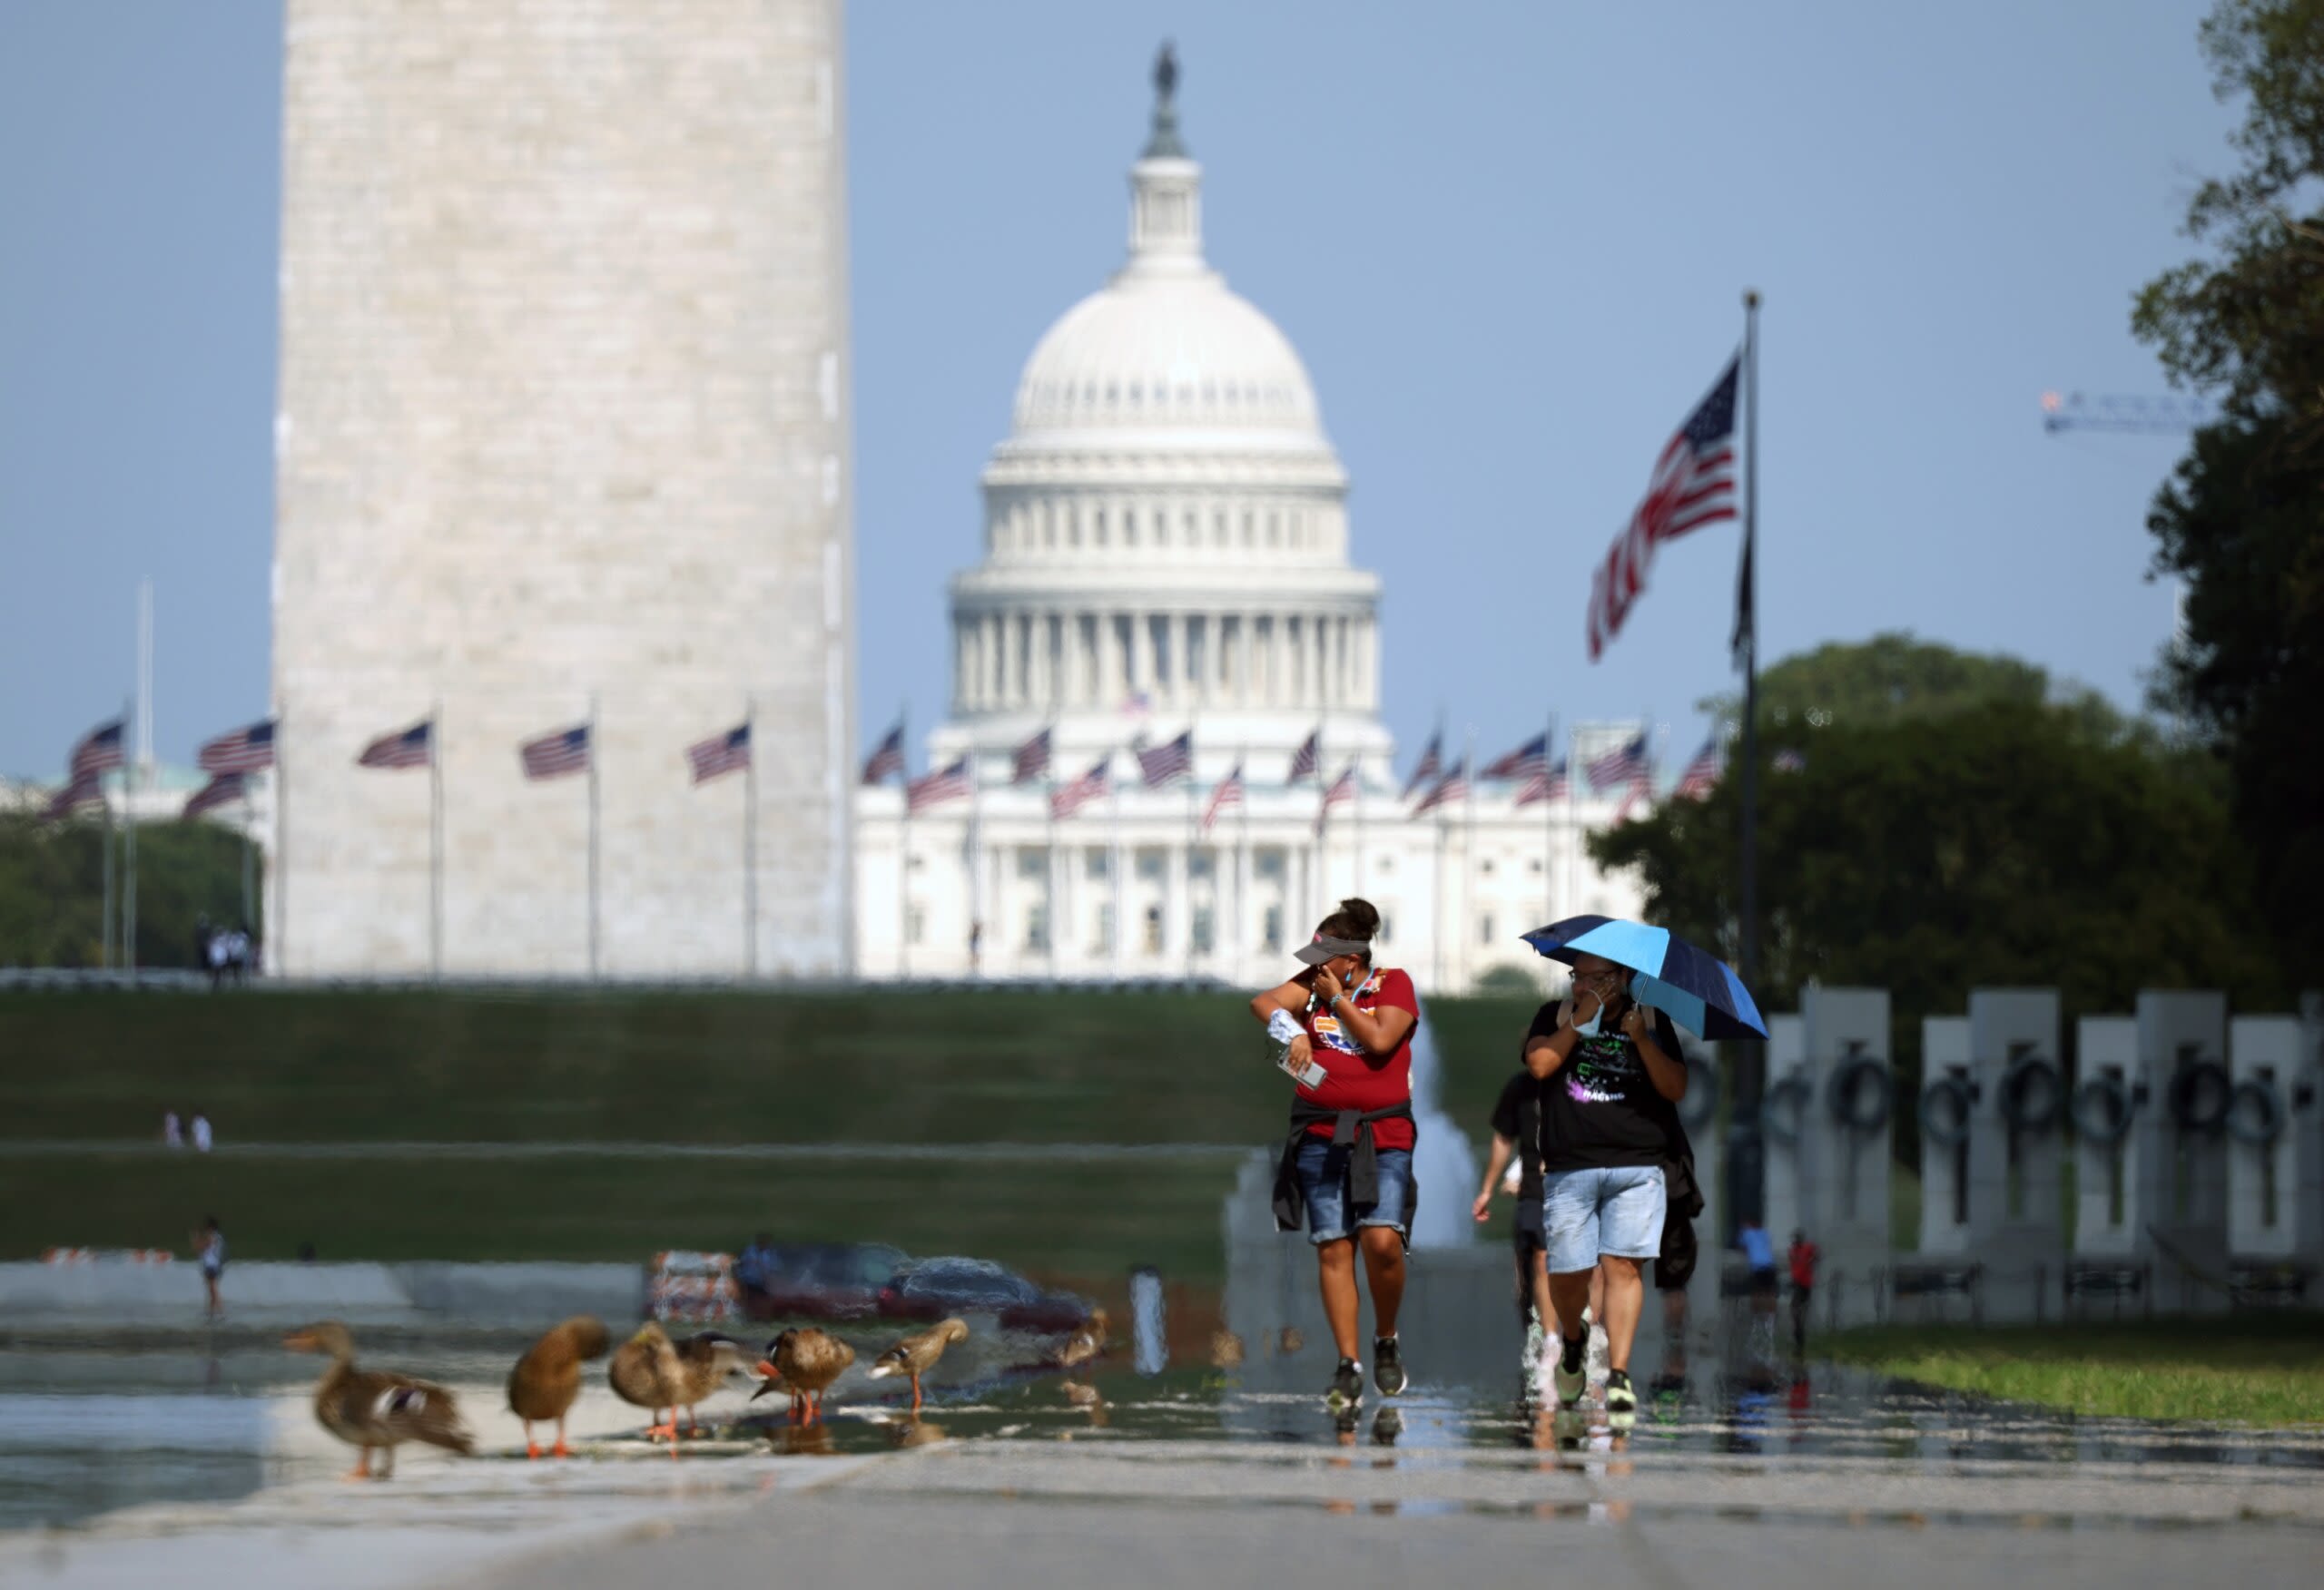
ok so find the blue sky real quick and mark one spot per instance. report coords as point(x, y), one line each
point(1508, 239)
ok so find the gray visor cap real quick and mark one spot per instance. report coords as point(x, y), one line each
point(1323, 949)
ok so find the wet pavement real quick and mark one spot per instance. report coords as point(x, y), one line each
point(205, 1469)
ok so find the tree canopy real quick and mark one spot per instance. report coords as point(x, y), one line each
point(2241, 520)
point(52, 889)
point(1895, 677)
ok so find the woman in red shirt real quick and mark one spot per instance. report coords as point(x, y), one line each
point(1348, 1167)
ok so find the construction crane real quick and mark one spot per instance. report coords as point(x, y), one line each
point(2149, 417)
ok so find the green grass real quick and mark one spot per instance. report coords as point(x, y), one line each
point(1073, 1222)
point(359, 1068)
point(2252, 1368)
point(695, 1067)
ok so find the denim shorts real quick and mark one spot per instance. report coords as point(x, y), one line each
point(1615, 1210)
point(1322, 1179)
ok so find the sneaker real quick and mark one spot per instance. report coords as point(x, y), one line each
point(1594, 1361)
point(1619, 1399)
point(1567, 1383)
point(1348, 1385)
point(1387, 1366)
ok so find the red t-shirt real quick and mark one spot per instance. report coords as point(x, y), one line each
point(1355, 1081)
point(1803, 1256)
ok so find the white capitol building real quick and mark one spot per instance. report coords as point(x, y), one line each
point(1166, 552)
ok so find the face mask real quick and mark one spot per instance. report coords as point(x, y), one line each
point(1588, 1029)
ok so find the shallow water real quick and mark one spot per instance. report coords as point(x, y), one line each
point(87, 1431)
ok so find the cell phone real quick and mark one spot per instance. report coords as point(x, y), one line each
point(1311, 1075)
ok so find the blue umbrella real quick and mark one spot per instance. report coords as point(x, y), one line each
point(1693, 985)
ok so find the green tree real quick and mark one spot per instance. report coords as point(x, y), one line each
point(51, 886)
point(2241, 522)
point(1996, 845)
point(1895, 677)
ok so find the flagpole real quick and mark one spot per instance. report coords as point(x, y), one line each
point(128, 849)
point(1048, 793)
point(140, 758)
point(593, 747)
point(1114, 863)
point(1747, 1190)
point(1550, 818)
point(976, 868)
point(106, 929)
point(270, 931)
point(1468, 851)
point(903, 850)
point(1241, 939)
point(1185, 925)
point(750, 840)
point(249, 845)
point(436, 840)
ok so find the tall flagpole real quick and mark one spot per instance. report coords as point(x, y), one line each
point(128, 849)
point(1746, 1191)
point(1114, 862)
point(105, 928)
point(903, 849)
point(270, 931)
point(141, 762)
point(1550, 819)
point(1468, 851)
point(436, 840)
point(750, 838)
point(593, 750)
point(976, 868)
point(1048, 798)
point(1240, 940)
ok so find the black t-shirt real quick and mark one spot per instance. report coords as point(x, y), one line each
point(1517, 1116)
point(1600, 1108)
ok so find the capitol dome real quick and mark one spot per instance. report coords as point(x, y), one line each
point(1166, 523)
point(1160, 350)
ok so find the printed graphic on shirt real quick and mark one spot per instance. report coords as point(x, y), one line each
point(1327, 1029)
point(1602, 1070)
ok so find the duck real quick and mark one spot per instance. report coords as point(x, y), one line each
point(377, 1410)
point(547, 1379)
point(1084, 1345)
point(804, 1360)
point(916, 1354)
point(651, 1371)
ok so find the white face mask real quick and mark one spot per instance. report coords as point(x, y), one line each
point(1588, 1029)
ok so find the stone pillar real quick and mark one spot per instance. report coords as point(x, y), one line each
point(1112, 686)
point(1245, 653)
point(1141, 651)
point(1178, 908)
point(1181, 674)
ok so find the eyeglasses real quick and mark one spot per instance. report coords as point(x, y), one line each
point(1605, 976)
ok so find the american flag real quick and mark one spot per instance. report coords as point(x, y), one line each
point(1031, 760)
point(406, 748)
point(1550, 784)
point(245, 751)
point(1429, 766)
point(1229, 792)
point(1693, 486)
point(1622, 768)
point(886, 758)
point(1168, 763)
point(935, 789)
point(1342, 792)
point(1702, 773)
point(1791, 761)
point(83, 789)
point(721, 753)
point(1453, 786)
point(555, 755)
point(222, 788)
point(1529, 760)
point(1090, 786)
point(99, 752)
point(1308, 758)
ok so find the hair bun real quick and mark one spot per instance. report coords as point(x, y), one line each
point(1361, 919)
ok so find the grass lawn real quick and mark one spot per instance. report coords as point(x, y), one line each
point(2263, 1369)
point(336, 1066)
point(1077, 1221)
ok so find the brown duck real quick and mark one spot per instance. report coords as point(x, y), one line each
point(547, 1379)
point(804, 1360)
point(1084, 1345)
point(916, 1354)
point(377, 1410)
point(651, 1371)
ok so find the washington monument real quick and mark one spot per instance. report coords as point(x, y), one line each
point(563, 444)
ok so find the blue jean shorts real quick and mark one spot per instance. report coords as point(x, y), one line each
point(1322, 1179)
point(1615, 1210)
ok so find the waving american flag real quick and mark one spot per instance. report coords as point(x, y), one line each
point(1693, 486)
point(1090, 786)
point(1229, 792)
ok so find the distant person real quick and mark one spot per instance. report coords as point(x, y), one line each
point(975, 948)
point(1515, 1162)
point(201, 1132)
point(754, 1271)
point(202, 934)
point(209, 1248)
point(306, 1253)
point(1801, 1261)
point(1616, 1076)
point(238, 955)
point(222, 949)
point(172, 1133)
point(1760, 1255)
point(1346, 1174)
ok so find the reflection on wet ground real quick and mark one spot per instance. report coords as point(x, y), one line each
point(85, 1432)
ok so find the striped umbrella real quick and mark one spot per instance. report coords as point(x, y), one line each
point(1692, 985)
